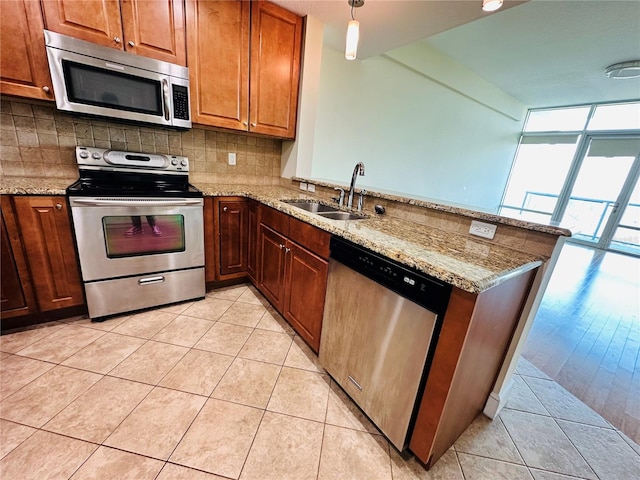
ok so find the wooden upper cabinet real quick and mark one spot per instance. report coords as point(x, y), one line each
point(48, 243)
point(276, 43)
point(155, 29)
point(152, 28)
point(96, 21)
point(218, 59)
point(230, 89)
point(24, 69)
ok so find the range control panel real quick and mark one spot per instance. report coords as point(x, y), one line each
point(104, 159)
point(416, 286)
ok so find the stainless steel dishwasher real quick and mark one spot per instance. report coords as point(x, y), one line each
point(381, 322)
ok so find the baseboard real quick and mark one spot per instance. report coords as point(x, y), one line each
point(497, 401)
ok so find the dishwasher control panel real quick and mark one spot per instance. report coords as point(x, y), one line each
point(416, 286)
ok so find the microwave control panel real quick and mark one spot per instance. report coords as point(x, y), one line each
point(180, 102)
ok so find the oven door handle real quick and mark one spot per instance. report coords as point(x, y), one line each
point(135, 203)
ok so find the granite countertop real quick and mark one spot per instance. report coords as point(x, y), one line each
point(473, 266)
point(34, 186)
point(463, 210)
point(470, 265)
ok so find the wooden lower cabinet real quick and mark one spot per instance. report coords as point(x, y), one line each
point(252, 241)
point(40, 271)
point(472, 344)
point(48, 242)
point(305, 287)
point(210, 234)
point(272, 266)
point(226, 238)
point(233, 231)
point(17, 297)
point(293, 278)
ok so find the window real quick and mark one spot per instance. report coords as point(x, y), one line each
point(577, 167)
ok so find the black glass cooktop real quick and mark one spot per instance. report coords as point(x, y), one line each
point(119, 184)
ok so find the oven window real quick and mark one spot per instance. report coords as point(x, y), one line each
point(104, 88)
point(132, 236)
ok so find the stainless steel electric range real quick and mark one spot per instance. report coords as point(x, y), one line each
point(138, 225)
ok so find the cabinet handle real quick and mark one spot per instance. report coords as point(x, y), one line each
point(253, 124)
point(46, 89)
point(224, 209)
point(245, 123)
point(287, 250)
point(116, 39)
point(58, 206)
point(131, 44)
point(281, 246)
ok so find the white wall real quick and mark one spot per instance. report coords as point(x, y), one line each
point(422, 124)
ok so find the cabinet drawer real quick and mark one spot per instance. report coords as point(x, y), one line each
point(275, 220)
point(310, 237)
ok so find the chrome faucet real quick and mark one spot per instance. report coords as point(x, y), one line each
point(359, 169)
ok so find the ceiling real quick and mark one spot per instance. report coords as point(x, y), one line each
point(542, 52)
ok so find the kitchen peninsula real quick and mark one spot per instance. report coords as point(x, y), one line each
point(496, 287)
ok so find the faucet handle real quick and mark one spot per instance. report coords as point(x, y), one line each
point(339, 199)
point(363, 192)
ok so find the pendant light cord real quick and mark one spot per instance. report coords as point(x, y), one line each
point(352, 17)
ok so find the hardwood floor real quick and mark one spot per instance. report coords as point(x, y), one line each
point(586, 335)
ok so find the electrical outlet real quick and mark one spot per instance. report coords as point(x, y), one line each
point(311, 187)
point(232, 158)
point(303, 186)
point(481, 229)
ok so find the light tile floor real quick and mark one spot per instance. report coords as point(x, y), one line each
point(223, 388)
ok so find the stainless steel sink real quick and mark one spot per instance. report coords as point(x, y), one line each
point(311, 206)
point(322, 210)
point(341, 216)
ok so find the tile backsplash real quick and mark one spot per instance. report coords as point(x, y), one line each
point(39, 141)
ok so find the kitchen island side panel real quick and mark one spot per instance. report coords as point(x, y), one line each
point(475, 335)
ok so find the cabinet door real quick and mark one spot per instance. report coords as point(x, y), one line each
point(48, 242)
point(24, 69)
point(218, 59)
point(16, 293)
point(253, 244)
point(276, 42)
point(96, 21)
point(305, 286)
point(155, 29)
point(271, 266)
point(234, 234)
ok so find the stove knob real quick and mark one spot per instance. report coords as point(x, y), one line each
point(183, 163)
point(174, 162)
point(95, 156)
point(84, 154)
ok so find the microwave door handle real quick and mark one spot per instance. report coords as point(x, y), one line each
point(166, 99)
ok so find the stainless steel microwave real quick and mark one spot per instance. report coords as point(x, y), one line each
point(96, 80)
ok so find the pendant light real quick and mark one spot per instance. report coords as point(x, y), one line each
point(353, 32)
point(491, 5)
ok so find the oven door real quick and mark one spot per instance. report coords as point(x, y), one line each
point(119, 237)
